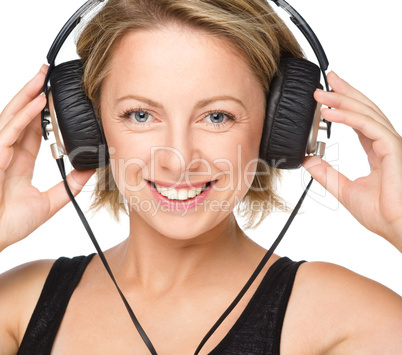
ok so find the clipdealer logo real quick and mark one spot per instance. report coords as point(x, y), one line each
point(234, 172)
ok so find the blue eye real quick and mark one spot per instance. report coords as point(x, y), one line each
point(217, 117)
point(137, 116)
point(141, 116)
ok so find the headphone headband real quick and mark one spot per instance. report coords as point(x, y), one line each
point(295, 17)
point(309, 34)
point(68, 27)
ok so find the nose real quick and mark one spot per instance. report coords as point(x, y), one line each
point(179, 152)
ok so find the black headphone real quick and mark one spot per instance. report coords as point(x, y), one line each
point(291, 124)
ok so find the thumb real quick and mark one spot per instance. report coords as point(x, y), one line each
point(57, 195)
point(328, 177)
point(76, 180)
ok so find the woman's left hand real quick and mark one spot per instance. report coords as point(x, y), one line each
point(374, 200)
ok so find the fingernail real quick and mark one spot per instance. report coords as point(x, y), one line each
point(334, 74)
point(43, 68)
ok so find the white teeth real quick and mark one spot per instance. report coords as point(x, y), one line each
point(181, 194)
point(172, 194)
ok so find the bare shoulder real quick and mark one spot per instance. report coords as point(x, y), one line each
point(20, 289)
point(334, 310)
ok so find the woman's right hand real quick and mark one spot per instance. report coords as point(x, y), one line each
point(23, 208)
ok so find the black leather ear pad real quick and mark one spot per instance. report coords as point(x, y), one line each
point(83, 137)
point(289, 114)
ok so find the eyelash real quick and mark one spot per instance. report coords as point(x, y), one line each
point(127, 113)
point(230, 117)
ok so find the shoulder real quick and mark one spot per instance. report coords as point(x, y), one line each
point(334, 309)
point(20, 289)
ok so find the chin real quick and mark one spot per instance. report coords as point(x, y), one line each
point(183, 226)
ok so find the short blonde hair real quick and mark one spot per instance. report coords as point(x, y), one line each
point(250, 27)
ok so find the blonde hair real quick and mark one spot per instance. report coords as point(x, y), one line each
point(250, 27)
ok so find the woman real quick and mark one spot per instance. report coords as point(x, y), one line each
point(147, 92)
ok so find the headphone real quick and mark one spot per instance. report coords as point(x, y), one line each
point(292, 119)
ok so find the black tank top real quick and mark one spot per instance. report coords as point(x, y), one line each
point(257, 330)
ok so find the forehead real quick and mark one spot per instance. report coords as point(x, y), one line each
point(179, 58)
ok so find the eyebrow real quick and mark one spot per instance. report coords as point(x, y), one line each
point(140, 98)
point(200, 104)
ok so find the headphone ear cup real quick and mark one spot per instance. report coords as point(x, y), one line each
point(83, 137)
point(289, 114)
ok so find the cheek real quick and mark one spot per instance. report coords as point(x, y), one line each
point(238, 159)
point(250, 147)
point(249, 162)
point(250, 154)
point(128, 159)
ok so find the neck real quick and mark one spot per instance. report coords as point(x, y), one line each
point(153, 260)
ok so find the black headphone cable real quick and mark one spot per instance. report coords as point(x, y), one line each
point(60, 164)
point(147, 341)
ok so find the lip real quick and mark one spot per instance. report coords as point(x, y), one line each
point(181, 205)
point(176, 186)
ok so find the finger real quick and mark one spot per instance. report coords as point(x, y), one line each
point(13, 129)
point(339, 101)
point(11, 132)
point(384, 141)
point(342, 87)
point(26, 151)
point(57, 195)
point(365, 142)
point(32, 137)
point(332, 180)
point(31, 90)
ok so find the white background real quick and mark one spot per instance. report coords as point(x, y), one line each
point(362, 41)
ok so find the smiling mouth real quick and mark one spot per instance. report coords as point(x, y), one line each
point(181, 194)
